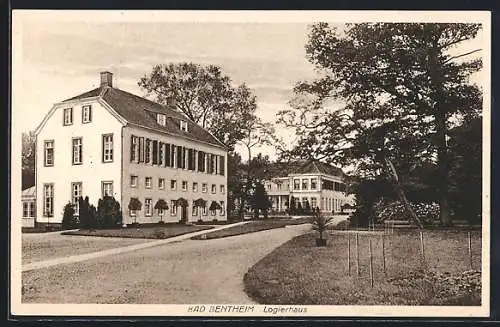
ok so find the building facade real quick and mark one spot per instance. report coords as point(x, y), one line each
point(313, 185)
point(28, 202)
point(110, 142)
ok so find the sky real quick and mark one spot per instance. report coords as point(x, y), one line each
point(63, 58)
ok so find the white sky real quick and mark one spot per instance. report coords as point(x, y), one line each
point(62, 58)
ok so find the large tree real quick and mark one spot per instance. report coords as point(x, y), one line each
point(402, 89)
point(205, 95)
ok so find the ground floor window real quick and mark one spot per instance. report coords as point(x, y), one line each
point(173, 208)
point(148, 207)
point(107, 189)
point(195, 210)
point(204, 210)
point(222, 208)
point(48, 200)
point(76, 192)
point(28, 209)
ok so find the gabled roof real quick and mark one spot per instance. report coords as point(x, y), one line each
point(282, 169)
point(140, 111)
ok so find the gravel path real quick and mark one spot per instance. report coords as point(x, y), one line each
point(187, 272)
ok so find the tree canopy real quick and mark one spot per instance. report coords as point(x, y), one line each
point(205, 95)
point(401, 90)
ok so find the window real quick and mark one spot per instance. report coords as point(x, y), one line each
point(222, 165)
point(134, 148)
point(160, 153)
point(204, 187)
point(201, 161)
point(195, 210)
point(77, 151)
point(296, 184)
point(305, 184)
point(173, 184)
point(222, 189)
point(195, 187)
point(304, 202)
point(184, 126)
point(173, 208)
point(161, 183)
point(107, 148)
point(184, 185)
point(76, 193)
point(148, 207)
point(314, 183)
point(26, 210)
point(161, 119)
point(48, 200)
point(68, 116)
point(148, 182)
point(214, 188)
point(314, 203)
point(134, 181)
point(154, 148)
point(49, 153)
point(86, 114)
point(278, 186)
point(269, 186)
point(161, 212)
point(107, 189)
point(204, 210)
point(222, 208)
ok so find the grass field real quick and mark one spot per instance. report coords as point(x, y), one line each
point(298, 272)
point(251, 227)
point(156, 232)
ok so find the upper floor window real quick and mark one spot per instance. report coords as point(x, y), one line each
point(49, 153)
point(296, 184)
point(148, 182)
point(214, 188)
point(184, 125)
point(68, 116)
point(305, 184)
point(195, 186)
point(184, 185)
point(222, 189)
point(86, 114)
point(173, 184)
point(134, 148)
point(314, 183)
point(107, 148)
point(77, 151)
point(134, 180)
point(147, 151)
point(161, 183)
point(161, 119)
point(204, 187)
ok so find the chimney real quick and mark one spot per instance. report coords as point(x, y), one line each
point(106, 79)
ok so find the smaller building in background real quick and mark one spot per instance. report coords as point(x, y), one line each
point(28, 201)
point(308, 185)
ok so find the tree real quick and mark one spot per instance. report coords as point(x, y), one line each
point(260, 201)
point(68, 220)
point(402, 91)
point(293, 206)
point(87, 213)
point(466, 171)
point(28, 159)
point(108, 212)
point(205, 95)
point(134, 205)
point(161, 206)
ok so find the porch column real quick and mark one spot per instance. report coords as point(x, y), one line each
point(279, 203)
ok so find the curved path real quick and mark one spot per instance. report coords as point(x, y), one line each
point(187, 272)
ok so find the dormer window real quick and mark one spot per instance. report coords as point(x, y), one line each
point(184, 126)
point(161, 119)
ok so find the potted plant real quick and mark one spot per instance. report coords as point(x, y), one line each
point(134, 205)
point(320, 224)
point(161, 206)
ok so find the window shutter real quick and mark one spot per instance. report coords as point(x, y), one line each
point(90, 113)
point(201, 161)
point(167, 155)
point(222, 165)
point(190, 159)
point(155, 152)
point(141, 149)
point(179, 156)
point(209, 170)
point(161, 153)
point(132, 154)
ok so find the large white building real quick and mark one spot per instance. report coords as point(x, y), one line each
point(110, 142)
point(314, 184)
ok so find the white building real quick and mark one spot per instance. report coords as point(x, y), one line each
point(29, 207)
point(313, 184)
point(110, 142)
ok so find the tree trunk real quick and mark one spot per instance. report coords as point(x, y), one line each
point(444, 214)
point(401, 193)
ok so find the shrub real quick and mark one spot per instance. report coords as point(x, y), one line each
point(69, 221)
point(87, 214)
point(108, 212)
point(200, 220)
point(158, 233)
point(215, 220)
point(321, 223)
point(428, 213)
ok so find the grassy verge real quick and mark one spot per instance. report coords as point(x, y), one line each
point(251, 227)
point(158, 232)
point(298, 272)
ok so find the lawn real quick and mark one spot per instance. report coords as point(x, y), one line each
point(251, 227)
point(298, 272)
point(44, 247)
point(156, 231)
